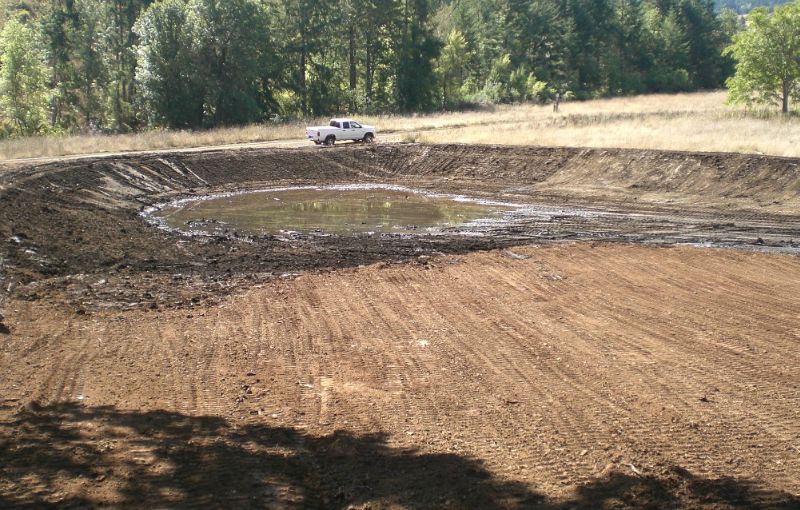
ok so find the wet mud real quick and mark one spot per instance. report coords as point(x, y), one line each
point(78, 233)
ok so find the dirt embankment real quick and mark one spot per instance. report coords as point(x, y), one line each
point(576, 375)
point(75, 226)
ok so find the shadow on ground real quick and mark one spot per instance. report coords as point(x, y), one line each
point(71, 456)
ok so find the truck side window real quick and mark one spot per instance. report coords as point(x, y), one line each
point(346, 125)
point(355, 125)
point(335, 124)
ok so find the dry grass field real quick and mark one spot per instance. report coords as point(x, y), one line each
point(693, 122)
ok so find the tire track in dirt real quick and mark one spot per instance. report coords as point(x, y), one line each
point(700, 382)
point(548, 366)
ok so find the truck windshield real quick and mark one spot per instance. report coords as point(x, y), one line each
point(335, 124)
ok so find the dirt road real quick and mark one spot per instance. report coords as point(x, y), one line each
point(147, 369)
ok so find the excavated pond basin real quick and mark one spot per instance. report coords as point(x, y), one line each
point(335, 210)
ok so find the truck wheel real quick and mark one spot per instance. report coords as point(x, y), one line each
point(330, 140)
point(369, 138)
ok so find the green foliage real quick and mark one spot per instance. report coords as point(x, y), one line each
point(92, 63)
point(119, 65)
point(232, 39)
point(171, 88)
point(417, 48)
point(200, 62)
point(23, 87)
point(767, 57)
point(452, 68)
point(90, 67)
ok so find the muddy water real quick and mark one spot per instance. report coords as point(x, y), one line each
point(324, 210)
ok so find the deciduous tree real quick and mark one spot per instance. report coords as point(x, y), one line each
point(767, 57)
point(24, 94)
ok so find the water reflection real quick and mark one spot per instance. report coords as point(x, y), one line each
point(333, 211)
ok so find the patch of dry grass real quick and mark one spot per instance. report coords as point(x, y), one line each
point(694, 122)
point(147, 140)
point(704, 133)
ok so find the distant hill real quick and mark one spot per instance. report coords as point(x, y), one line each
point(745, 6)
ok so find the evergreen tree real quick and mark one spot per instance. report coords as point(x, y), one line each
point(416, 81)
point(90, 77)
point(59, 27)
point(120, 60)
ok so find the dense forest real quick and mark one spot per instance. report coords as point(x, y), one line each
point(121, 65)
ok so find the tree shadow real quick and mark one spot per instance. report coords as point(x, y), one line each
point(71, 456)
point(676, 488)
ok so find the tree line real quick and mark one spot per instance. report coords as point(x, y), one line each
point(123, 65)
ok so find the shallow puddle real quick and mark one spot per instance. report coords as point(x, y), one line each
point(324, 210)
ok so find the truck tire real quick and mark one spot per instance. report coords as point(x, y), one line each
point(330, 140)
point(368, 138)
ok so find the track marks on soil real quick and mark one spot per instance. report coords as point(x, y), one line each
point(546, 368)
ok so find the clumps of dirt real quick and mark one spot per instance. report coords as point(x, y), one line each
point(207, 274)
point(4, 329)
point(73, 231)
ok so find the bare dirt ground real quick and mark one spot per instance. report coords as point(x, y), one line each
point(559, 362)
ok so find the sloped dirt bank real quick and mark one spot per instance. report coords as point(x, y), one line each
point(75, 228)
point(585, 359)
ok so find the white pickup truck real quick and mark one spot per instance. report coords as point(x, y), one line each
point(340, 129)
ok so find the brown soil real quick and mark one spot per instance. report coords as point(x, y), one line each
point(554, 375)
